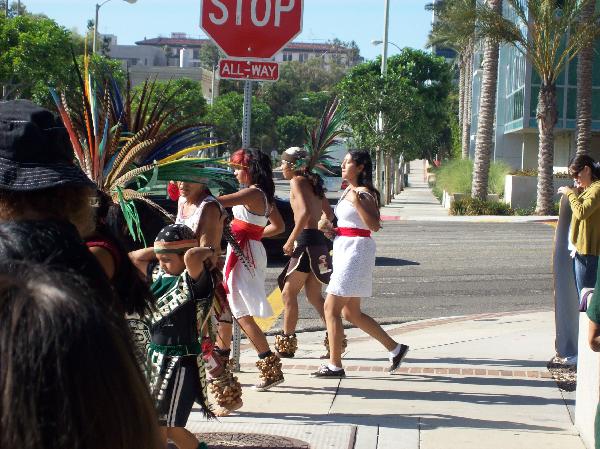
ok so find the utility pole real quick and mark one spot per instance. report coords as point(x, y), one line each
point(379, 159)
point(95, 29)
point(6, 8)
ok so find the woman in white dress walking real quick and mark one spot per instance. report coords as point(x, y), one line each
point(353, 262)
point(255, 216)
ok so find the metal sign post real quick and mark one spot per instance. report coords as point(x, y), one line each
point(237, 333)
point(247, 114)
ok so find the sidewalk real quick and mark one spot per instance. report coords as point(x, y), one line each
point(468, 382)
point(417, 203)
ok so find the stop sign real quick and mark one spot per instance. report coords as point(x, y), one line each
point(251, 29)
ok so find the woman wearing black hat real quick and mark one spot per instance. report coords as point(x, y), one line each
point(45, 199)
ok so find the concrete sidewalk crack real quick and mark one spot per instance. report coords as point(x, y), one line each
point(335, 396)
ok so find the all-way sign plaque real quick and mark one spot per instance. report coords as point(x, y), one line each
point(248, 70)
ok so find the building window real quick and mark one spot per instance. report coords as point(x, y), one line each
point(287, 57)
point(303, 57)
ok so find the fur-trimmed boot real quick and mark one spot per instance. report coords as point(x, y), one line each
point(227, 392)
point(326, 344)
point(270, 373)
point(286, 345)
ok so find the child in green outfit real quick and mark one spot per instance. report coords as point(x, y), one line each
point(172, 333)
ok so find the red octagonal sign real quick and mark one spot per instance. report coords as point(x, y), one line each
point(251, 29)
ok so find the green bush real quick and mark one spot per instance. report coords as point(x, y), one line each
point(473, 206)
point(455, 176)
point(498, 172)
point(534, 172)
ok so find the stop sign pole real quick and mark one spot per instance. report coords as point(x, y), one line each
point(247, 114)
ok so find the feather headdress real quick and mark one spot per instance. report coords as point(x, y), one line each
point(126, 147)
point(323, 136)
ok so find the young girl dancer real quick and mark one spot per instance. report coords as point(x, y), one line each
point(255, 217)
point(353, 261)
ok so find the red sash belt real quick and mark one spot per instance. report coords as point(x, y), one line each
point(352, 232)
point(243, 232)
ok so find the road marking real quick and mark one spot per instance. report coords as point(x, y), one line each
point(276, 301)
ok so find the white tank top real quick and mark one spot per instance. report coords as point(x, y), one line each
point(193, 220)
point(240, 212)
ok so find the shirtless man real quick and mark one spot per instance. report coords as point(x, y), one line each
point(310, 263)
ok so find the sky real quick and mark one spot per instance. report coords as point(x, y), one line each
point(358, 20)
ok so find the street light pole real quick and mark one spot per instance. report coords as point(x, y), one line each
point(98, 6)
point(96, 27)
point(379, 158)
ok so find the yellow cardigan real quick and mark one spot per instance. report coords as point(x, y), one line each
point(585, 222)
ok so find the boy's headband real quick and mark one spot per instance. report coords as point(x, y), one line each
point(175, 239)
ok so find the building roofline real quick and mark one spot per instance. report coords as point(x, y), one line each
point(199, 42)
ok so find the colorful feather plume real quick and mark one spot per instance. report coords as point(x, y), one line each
point(323, 136)
point(126, 147)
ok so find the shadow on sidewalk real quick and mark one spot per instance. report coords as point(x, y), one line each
point(401, 421)
point(505, 363)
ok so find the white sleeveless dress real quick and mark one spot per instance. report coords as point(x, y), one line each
point(353, 257)
point(246, 289)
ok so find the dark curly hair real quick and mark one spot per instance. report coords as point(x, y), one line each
point(365, 177)
point(258, 165)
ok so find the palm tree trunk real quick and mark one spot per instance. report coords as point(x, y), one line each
point(547, 115)
point(461, 87)
point(466, 117)
point(487, 110)
point(583, 127)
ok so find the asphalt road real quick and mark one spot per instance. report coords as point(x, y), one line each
point(430, 269)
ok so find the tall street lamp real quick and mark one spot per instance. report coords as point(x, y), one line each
point(98, 6)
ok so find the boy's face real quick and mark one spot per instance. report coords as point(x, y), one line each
point(172, 264)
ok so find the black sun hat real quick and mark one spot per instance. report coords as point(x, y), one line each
point(35, 151)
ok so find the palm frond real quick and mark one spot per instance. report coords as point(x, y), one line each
point(324, 135)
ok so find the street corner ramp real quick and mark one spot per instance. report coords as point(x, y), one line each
point(256, 435)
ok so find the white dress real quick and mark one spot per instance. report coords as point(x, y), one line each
point(353, 257)
point(246, 289)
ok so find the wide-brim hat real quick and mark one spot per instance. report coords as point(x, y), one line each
point(35, 151)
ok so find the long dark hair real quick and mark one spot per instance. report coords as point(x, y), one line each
point(57, 245)
point(315, 181)
point(258, 165)
point(131, 289)
point(365, 177)
point(69, 379)
point(580, 161)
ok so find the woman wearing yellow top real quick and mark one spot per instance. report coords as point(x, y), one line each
point(584, 234)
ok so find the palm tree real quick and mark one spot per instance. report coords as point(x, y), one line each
point(455, 28)
point(583, 129)
point(549, 33)
point(484, 140)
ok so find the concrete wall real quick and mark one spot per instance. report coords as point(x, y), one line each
point(521, 191)
point(588, 381)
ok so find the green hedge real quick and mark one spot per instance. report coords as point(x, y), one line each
point(473, 206)
point(456, 176)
